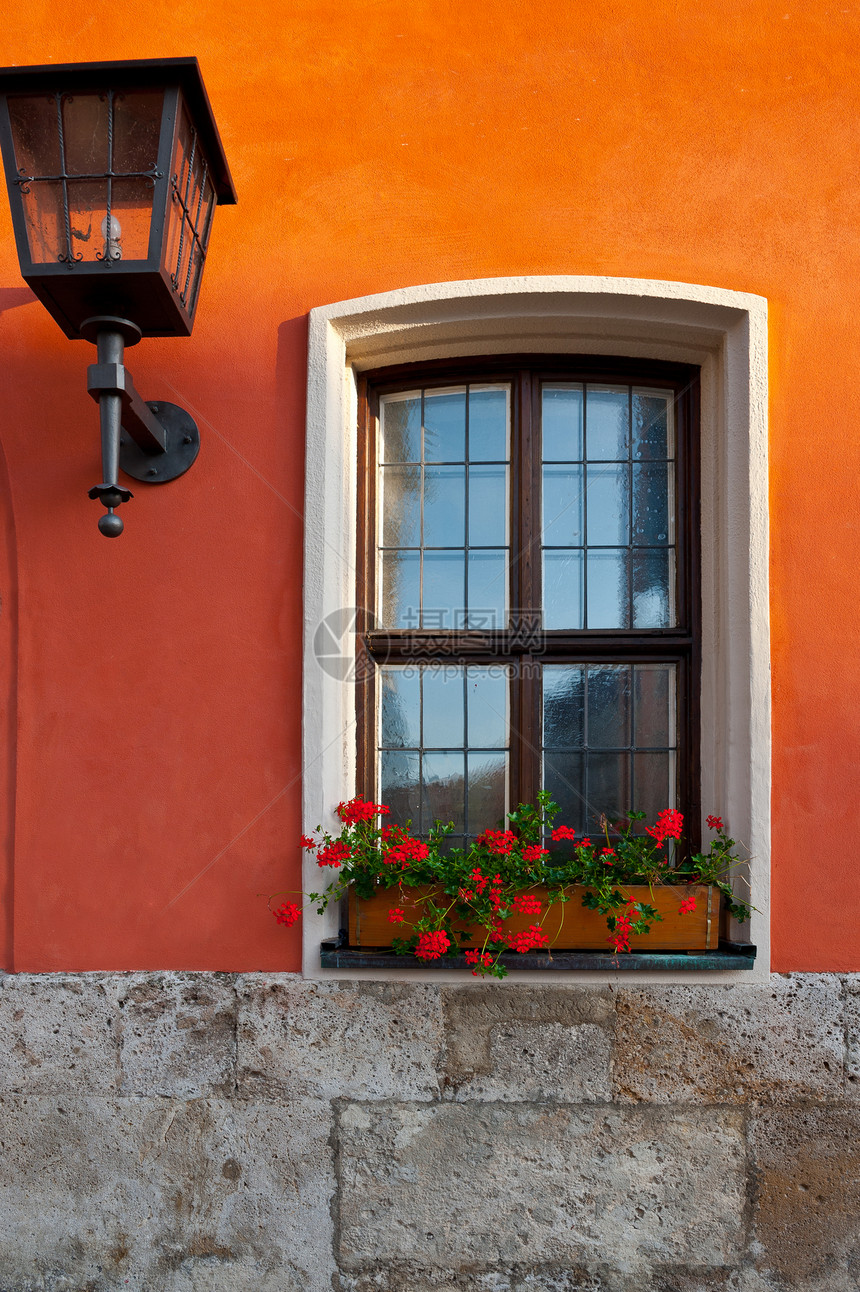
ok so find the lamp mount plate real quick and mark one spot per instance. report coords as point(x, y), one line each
point(183, 445)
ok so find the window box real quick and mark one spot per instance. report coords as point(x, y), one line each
point(570, 925)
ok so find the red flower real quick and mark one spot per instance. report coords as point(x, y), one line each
point(715, 823)
point(533, 936)
point(526, 904)
point(396, 915)
point(620, 936)
point(669, 825)
point(358, 809)
point(288, 914)
point(563, 832)
point(334, 854)
point(482, 958)
point(405, 851)
point(307, 842)
point(432, 945)
point(584, 843)
point(500, 842)
point(534, 852)
point(688, 905)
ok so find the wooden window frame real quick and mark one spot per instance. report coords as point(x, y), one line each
point(680, 645)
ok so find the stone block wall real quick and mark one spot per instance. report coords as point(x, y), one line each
point(185, 1132)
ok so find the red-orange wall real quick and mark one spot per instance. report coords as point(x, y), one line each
point(156, 694)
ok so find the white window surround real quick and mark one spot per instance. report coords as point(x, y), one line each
point(725, 333)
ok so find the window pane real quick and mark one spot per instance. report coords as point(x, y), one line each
point(400, 787)
point(443, 708)
point(487, 609)
point(444, 590)
point(561, 433)
point(444, 790)
point(400, 579)
point(607, 423)
point(445, 426)
point(608, 504)
point(562, 506)
point(400, 500)
point(487, 789)
point(563, 705)
point(487, 701)
point(400, 720)
point(653, 588)
point(652, 425)
point(654, 705)
point(564, 781)
point(608, 592)
point(488, 424)
point(654, 783)
point(444, 506)
point(488, 505)
point(562, 590)
point(400, 417)
point(608, 788)
point(653, 486)
point(608, 700)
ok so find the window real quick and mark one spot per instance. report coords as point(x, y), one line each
point(721, 332)
point(531, 575)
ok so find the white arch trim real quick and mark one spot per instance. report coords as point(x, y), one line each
point(725, 333)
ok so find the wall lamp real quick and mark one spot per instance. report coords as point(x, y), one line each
point(114, 171)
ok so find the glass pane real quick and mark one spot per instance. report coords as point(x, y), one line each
point(563, 779)
point(35, 135)
point(654, 704)
point(561, 423)
point(443, 708)
point(562, 590)
point(653, 784)
point(653, 588)
point(46, 227)
point(488, 424)
point(136, 129)
point(563, 705)
point(444, 506)
point(487, 784)
point(87, 211)
point(606, 423)
point(562, 506)
point(608, 706)
point(85, 129)
point(608, 594)
point(488, 583)
point(488, 498)
point(401, 428)
point(608, 505)
point(608, 787)
point(653, 485)
point(444, 790)
point(400, 602)
point(487, 700)
point(400, 502)
point(131, 216)
point(652, 425)
point(400, 708)
point(445, 426)
point(444, 591)
point(399, 787)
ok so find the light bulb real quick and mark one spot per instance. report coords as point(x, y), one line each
point(113, 251)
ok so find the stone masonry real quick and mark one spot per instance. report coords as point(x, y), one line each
point(190, 1132)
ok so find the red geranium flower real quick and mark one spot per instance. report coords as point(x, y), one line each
point(334, 854)
point(307, 841)
point(688, 905)
point(358, 809)
point(563, 832)
point(715, 822)
point(534, 852)
point(288, 913)
point(396, 915)
point(432, 945)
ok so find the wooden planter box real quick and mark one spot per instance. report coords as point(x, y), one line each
point(570, 925)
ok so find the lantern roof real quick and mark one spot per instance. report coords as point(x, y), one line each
point(140, 73)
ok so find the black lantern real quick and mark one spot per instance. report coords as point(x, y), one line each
point(114, 171)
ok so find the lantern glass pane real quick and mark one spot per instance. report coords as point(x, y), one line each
point(82, 158)
point(192, 203)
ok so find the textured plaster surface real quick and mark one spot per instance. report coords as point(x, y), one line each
point(259, 1133)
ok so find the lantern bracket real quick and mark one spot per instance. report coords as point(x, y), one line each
point(153, 442)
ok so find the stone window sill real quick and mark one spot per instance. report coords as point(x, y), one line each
point(335, 954)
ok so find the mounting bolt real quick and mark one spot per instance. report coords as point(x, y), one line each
point(153, 471)
point(188, 439)
point(154, 407)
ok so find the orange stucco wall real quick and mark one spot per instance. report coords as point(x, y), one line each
point(154, 792)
